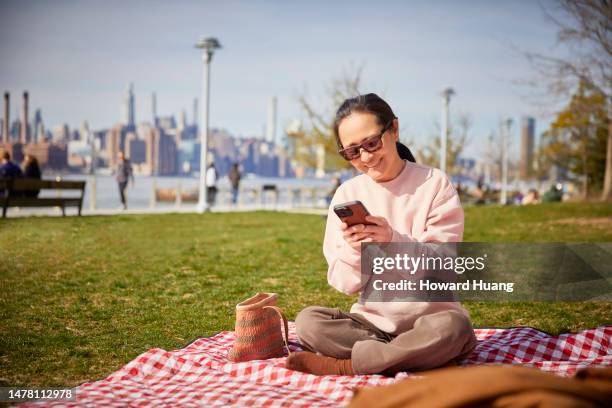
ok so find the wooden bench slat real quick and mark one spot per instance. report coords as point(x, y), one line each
point(30, 184)
point(42, 202)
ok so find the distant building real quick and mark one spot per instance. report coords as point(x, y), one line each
point(15, 149)
point(128, 108)
point(24, 136)
point(6, 121)
point(38, 127)
point(75, 135)
point(114, 144)
point(154, 109)
point(99, 137)
point(151, 137)
point(160, 153)
point(79, 153)
point(135, 149)
point(60, 133)
point(188, 156)
point(182, 120)
point(527, 148)
point(166, 122)
point(167, 155)
point(84, 132)
point(50, 156)
point(15, 131)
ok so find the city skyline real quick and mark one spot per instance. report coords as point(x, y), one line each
point(406, 58)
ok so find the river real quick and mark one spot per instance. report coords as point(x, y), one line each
point(290, 191)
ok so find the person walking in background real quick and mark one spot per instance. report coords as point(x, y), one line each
point(8, 169)
point(31, 170)
point(234, 178)
point(123, 175)
point(211, 183)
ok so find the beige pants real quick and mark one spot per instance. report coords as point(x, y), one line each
point(435, 340)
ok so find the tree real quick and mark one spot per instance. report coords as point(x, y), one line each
point(577, 139)
point(458, 139)
point(319, 131)
point(585, 27)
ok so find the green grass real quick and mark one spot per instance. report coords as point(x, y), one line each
point(83, 296)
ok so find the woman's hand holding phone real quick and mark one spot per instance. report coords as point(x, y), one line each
point(380, 231)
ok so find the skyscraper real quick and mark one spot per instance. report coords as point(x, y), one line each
point(160, 152)
point(38, 129)
point(527, 147)
point(182, 120)
point(84, 132)
point(154, 108)
point(24, 136)
point(6, 124)
point(127, 108)
point(113, 144)
point(61, 133)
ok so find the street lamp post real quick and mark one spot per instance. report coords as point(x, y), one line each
point(208, 46)
point(446, 95)
point(92, 169)
point(504, 182)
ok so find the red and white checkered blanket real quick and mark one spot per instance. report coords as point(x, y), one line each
point(200, 374)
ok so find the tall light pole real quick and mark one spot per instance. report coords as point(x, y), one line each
point(94, 181)
point(504, 181)
point(446, 95)
point(208, 47)
point(489, 160)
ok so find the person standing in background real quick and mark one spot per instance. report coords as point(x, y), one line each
point(234, 178)
point(335, 184)
point(211, 183)
point(123, 175)
point(31, 170)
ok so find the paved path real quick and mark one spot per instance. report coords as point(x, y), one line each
point(56, 212)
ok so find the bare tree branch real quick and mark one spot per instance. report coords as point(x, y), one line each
point(585, 28)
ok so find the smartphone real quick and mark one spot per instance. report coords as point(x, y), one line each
point(352, 212)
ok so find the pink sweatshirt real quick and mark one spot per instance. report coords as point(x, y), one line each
point(421, 205)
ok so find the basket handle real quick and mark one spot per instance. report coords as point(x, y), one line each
point(285, 324)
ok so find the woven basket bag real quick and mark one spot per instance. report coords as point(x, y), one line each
point(258, 329)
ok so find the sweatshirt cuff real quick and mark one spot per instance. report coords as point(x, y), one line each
point(350, 255)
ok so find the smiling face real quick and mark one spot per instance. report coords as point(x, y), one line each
point(381, 165)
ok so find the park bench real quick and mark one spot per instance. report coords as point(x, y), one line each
point(12, 194)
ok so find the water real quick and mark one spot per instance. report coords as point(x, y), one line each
point(312, 192)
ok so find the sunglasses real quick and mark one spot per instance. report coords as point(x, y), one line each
point(370, 145)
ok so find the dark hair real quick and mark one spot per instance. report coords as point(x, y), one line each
point(6, 155)
point(374, 104)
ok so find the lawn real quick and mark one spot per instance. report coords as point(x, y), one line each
point(83, 296)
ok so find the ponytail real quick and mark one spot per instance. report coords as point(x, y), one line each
point(404, 152)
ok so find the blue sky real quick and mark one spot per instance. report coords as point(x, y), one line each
point(76, 58)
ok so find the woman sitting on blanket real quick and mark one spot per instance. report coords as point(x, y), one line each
point(410, 203)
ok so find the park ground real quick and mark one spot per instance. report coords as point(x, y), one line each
point(82, 296)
